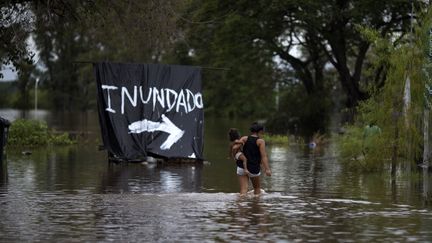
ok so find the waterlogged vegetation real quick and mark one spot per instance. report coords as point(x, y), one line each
point(25, 132)
point(357, 73)
point(71, 185)
point(276, 139)
point(399, 109)
point(342, 82)
point(362, 152)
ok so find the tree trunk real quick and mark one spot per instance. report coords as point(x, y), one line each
point(426, 153)
point(349, 82)
point(353, 93)
point(405, 111)
point(395, 140)
point(426, 183)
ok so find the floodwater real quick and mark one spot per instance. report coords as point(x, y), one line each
point(73, 194)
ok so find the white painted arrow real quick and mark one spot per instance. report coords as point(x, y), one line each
point(165, 126)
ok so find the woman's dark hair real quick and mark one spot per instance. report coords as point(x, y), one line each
point(233, 134)
point(256, 127)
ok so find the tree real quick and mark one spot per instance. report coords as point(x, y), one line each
point(16, 25)
point(400, 143)
point(15, 29)
point(306, 35)
point(68, 31)
point(87, 31)
point(215, 36)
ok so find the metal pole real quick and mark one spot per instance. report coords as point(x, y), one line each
point(36, 86)
point(411, 23)
point(277, 96)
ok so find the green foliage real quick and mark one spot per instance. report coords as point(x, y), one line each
point(255, 40)
point(248, 37)
point(60, 139)
point(299, 113)
point(276, 139)
point(400, 142)
point(361, 152)
point(28, 132)
point(399, 139)
point(7, 89)
point(94, 30)
point(246, 89)
point(350, 144)
point(35, 133)
point(15, 30)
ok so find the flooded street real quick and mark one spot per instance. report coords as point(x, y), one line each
point(73, 194)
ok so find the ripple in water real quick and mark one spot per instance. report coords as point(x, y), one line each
point(204, 216)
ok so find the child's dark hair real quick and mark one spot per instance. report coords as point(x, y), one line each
point(256, 127)
point(233, 134)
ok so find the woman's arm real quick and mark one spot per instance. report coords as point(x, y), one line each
point(264, 158)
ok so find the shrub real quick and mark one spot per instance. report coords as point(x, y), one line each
point(34, 133)
point(276, 139)
point(366, 153)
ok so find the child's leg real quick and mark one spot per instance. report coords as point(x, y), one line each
point(244, 160)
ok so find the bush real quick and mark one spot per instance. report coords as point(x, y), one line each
point(399, 145)
point(363, 152)
point(276, 139)
point(60, 139)
point(35, 133)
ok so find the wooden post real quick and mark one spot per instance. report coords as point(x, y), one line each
point(395, 140)
point(426, 152)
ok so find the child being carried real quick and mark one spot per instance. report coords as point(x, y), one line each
point(236, 148)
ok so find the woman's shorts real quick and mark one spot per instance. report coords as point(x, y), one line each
point(241, 172)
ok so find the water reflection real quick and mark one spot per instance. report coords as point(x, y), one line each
point(151, 178)
point(247, 219)
point(74, 168)
point(73, 194)
point(3, 172)
point(13, 114)
point(427, 187)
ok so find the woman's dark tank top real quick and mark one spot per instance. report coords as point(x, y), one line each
point(253, 155)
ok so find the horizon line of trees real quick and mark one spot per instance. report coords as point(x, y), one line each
point(309, 55)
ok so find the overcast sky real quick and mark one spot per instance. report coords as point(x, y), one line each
point(8, 74)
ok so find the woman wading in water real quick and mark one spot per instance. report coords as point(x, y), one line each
point(255, 152)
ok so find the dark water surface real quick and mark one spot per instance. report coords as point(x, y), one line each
point(73, 194)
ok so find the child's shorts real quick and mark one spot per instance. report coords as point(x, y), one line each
point(241, 172)
point(237, 155)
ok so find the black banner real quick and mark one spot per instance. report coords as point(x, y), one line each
point(150, 109)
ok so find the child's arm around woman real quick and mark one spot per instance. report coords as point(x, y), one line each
point(236, 147)
point(238, 154)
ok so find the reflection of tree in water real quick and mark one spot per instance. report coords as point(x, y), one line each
point(413, 189)
point(296, 168)
point(152, 178)
point(246, 219)
point(3, 173)
point(426, 188)
point(315, 167)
